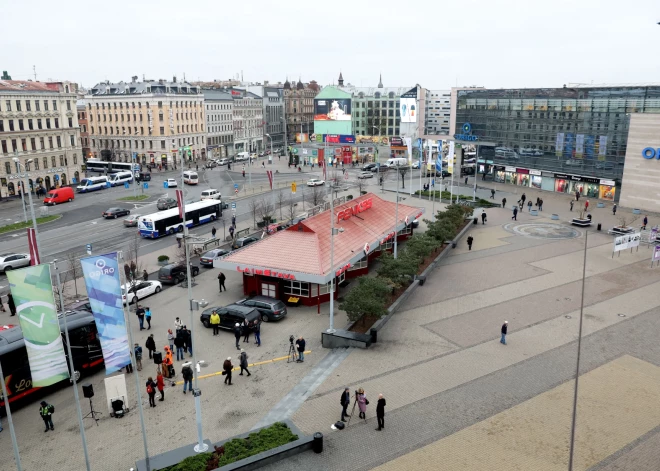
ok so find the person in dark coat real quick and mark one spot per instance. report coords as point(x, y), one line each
point(523, 198)
point(227, 367)
point(11, 304)
point(187, 374)
point(151, 345)
point(151, 391)
point(572, 203)
point(46, 411)
point(470, 239)
point(140, 313)
point(515, 213)
point(257, 332)
point(187, 335)
point(237, 334)
point(483, 217)
point(244, 363)
point(380, 412)
point(247, 329)
point(221, 281)
point(613, 209)
point(503, 202)
point(492, 192)
point(646, 221)
point(345, 401)
point(504, 331)
point(540, 204)
point(179, 342)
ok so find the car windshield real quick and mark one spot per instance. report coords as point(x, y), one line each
point(50, 195)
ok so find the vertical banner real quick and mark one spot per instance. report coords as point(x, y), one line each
point(450, 158)
point(559, 144)
point(32, 291)
point(656, 254)
point(602, 147)
point(438, 160)
point(180, 204)
point(34, 249)
point(408, 142)
point(579, 146)
point(101, 274)
point(270, 178)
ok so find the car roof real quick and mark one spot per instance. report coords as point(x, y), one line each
point(235, 308)
point(265, 299)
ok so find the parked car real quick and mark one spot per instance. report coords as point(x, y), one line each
point(139, 290)
point(211, 164)
point(271, 309)
point(174, 273)
point(242, 242)
point(131, 221)
point(79, 305)
point(315, 182)
point(9, 261)
point(262, 154)
point(115, 213)
point(365, 175)
point(223, 161)
point(171, 183)
point(230, 315)
point(144, 177)
point(379, 168)
point(166, 203)
point(206, 260)
point(59, 195)
point(369, 167)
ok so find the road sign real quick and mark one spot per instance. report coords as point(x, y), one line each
point(125, 184)
point(165, 184)
point(236, 190)
point(345, 175)
point(236, 186)
point(145, 185)
point(293, 187)
point(88, 248)
point(233, 206)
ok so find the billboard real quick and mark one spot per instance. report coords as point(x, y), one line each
point(302, 137)
point(397, 142)
point(363, 139)
point(339, 138)
point(627, 241)
point(451, 158)
point(332, 109)
point(408, 106)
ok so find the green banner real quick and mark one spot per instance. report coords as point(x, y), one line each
point(32, 290)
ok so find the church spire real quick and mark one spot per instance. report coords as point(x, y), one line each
point(380, 81)
point(341, 80)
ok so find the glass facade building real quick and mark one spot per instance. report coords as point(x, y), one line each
point(556, 139)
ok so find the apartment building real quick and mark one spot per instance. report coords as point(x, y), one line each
point(219, 109)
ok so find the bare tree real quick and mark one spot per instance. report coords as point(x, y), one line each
point(265, 210)
point(360, 184)
point(402, 172)
point(291, 208)
point(281, 199)
point(254, 209)
point(317, 195)
point(133, 267)
point(625, 220)
point(74, 271)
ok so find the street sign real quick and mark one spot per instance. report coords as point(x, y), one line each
point(145, 185)
point(165, 184)
point(88, 248)
point(125, 184)
point(236, 190)
point(236, 186)
point(233, 206)
point(293, 187)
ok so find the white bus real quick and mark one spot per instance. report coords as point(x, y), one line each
point(120, 177)
point(94, 165)
point(190, 178)
point(92, 184)
point(168, 222)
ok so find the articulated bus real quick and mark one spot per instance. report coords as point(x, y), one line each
point(94, 165)
point(85, 348)
point(168, 222)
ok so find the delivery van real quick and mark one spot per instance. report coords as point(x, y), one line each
point(59, 195)
point(120, 177)
point(397, 162)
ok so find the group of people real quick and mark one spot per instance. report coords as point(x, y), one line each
point(362, 403)
point(244, 330)
point(181, 339)
point(228, 367)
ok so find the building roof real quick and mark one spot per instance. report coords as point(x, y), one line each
point(612, 85)
point(304, 249)
point(219, 95)
point(25, 86)
point(158, 87)
point(331, 91)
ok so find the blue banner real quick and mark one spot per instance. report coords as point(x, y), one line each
point(438, 160)
point(101, 274)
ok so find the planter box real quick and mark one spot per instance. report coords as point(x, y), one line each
point(637, 211)
point(164, 262)
point(600, 205)
point(534, 212)
point(555, 217)
point(622, 230)
point(581, 222)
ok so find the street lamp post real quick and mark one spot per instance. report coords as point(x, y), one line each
point(18, 169)
point(34, 219)
point(333, 232)
point(271, 145)
point(286, 146)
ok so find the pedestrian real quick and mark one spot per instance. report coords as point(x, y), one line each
point(213, 231)
point(515, 213)
point(129, 367)
point(151, 391)
point(188, 338)
point(179, 342)
point(483, 217)
point(529, 206)
point(537, 200)
point(572, 202)
point(178, 323)
point(470, 239)
point(2, 309)
point(46, 411)
point(168, 363)
point(646, 221)
point(244, 363)
point(145, 275)
point(11, 304)
point(221, 281)
point(246, 331)
point(466, 180)
point(138, 356)
point(160, 384)
point(503, 202)
point(362, 403)
point(237, 335)
point(179, 238)
point(300, 343)
point(541, 204)
point(380, 412)
point(170, 339)
point(345, 401)
point(263, 164)
point(139, 311)
point(577, 195)
point(257, 332)
point(187, 374)
point(151, 345)
point(504, 330)
point(243, 172)
point(614, 210)
point(226, 370)
point(147, 316)
point(492, 193)
point(197, 167)
point(233, 220)
point(523, 198)
point(586, 205)
point(215, 322)
point(231, 231)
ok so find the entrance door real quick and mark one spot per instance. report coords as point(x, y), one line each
point(269, 289)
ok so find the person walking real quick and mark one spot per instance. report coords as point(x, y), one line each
point(470, 239)
point(257, 333)
point(646, 221)
point(187, 374)
point(145, 275)
point(586, 205)
point(577, 195)
point(466, 180)
point(540, 204)
point(160, 384)
point(170, 339)
point(147, 316)
point(504, 331)
point(380, 412)
point(138, 356)
point(483, 217)
point(151, 345)
point(492, 193)
point(237, 335)
point(571, 203)
point(215, 322)
point(300, 343)
point(503, 202)
point(362, 403)
point(529, 206)
point(523, 198)
point(188, 338)
point(46, 411)
point(243, 172)
point(614, 210)
point(179, 238)
point(139, 312)
point(168, 364)
point(221, 281)
point(179, 343)
point(2, 309)
point(515, 213)
point(244, 363)
point(129, 367)
point(151, 391)
point(345, 401)
point(246, 331)
point(213, 231)
point(226, 368)
point(231, 231)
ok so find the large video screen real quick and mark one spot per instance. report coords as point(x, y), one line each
point(332, 109)
point(408, 110)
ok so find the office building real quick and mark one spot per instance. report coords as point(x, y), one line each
point(219, 112)
point(248, 121)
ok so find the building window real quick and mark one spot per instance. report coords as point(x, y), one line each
point(162, 144)
point(52, 161)
point(59, 142)
point(54, 105)
point(39, 124)
point(11, 125)
point(387, 245)
point(28, 107)
point(18, 105)
point(33, 143)
point(45, 105)
point(20, 125)
point(36, 164)
point(7, 167)
point(68, 105)
point(73, 140)
point(296, 288)
point(45, 163)
point(61, 161)
point(57, 123)
point(362, 263)
point(70, 122)
point(47, 123)
point(75, 159)
point(50, 143)
point(41, 142)
point(8, 105)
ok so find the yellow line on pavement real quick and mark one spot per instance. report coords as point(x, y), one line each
point(218, 373)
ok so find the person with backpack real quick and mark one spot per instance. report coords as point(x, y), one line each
point(147, 316)
point(151, 345)
point(151, 391)
point(187, 374)
point(46, 411)
point(138, 356)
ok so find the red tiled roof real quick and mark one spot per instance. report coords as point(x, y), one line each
point(24, 86)
point(308, 251)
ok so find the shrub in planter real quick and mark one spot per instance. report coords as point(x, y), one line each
point(349, 197)
point(163, 258)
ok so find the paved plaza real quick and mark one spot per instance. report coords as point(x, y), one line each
point(455, 395)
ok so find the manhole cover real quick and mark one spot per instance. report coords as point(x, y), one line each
point(621, 315)
point(568, 317)
point(542, 230)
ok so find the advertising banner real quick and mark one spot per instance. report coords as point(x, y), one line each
point(32, 291)
point(653, 235)
point(302, 137)
point(450, 158)
point(627, 241)
point(332, 109)
point(559, 145)
point(408, 142)
point(101, 274)
point(579, 146)
point(438, 160)
point(602, 147)
point(363, 139)
point(339, 138)
point(569, 145)
point(408, 106)
point(397, 142)
point(589, 143)
point(656, 253)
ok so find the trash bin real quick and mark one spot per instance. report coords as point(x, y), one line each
point(475, 221)
point(598, 227)
point(374, 335)
point(317, 442)
point(422, 280)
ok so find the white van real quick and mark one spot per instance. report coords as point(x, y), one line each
point(92, 184)
point(190, 178)
point(241, 156)
point(120, 177)
point(397, 162)
point(211, 194)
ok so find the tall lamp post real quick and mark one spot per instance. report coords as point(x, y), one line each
point(286, 146)
point(271, 145)
point(34, 219)
point(333, 232)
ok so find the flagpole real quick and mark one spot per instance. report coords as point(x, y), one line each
point(12, 432)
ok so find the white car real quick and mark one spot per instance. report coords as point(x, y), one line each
point(9, 261)
point(365, 175)
point(315, 182)
point(415, 164)
point(574, 163)
point(141, 290)
point(171, 183)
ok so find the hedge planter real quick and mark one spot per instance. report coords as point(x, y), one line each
point(581, 222)
point(621, 230)
point(163, 260)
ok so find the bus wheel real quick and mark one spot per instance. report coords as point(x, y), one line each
point(179, 229)
point(170, 231)
point(212, 217)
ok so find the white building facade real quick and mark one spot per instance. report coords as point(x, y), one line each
point(437, 112)
point(248, 121)
point(219, 117)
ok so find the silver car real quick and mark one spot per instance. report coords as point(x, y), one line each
point(9, 261)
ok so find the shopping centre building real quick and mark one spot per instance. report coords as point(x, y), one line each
point(575, 138)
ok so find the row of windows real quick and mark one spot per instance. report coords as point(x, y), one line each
point(214, 107)
point(216, 118)
point(184, 116)
point(22, 145)
point(223, 128)
point(128, 144)
point(34, 165)
point(377, 104)
point(622, 105)
point(115, 131)
point(20, 124)
point(216, 140)
point(28, 105)
point(173, 104)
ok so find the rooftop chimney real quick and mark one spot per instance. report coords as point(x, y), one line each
point(174, 79)
point(134, 78)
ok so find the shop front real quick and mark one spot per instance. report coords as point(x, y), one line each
point(510, 176)
point(500, 174)
point(562, 182)
point(535, 179)
point(523, 177)
point(607, 190)
point(587, 186)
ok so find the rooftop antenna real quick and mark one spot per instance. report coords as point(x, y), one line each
point(34, 71)
point(143, 77)
point(241, 75)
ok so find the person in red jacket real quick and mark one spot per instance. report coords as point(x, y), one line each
point(160, 383)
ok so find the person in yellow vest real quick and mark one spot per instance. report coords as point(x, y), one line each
point(215, 322)
point(46, 411)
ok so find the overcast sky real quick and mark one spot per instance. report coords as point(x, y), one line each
point(506, 43)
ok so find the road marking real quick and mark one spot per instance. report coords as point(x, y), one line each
point(250, 365)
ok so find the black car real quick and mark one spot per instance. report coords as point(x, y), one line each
point(230, 315)
point(242, 242)
point(115, 213)
point(369, 167)
point(379, 168)
point(166, 203)
point(174, 273)
point(206, 260)
point(271, 309)
point(144, 176)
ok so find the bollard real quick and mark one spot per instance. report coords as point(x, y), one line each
point(374, 335)
point(317, 442)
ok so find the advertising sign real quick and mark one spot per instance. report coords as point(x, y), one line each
point(656, 253)
point(627, 241)
point(397, 142)
point(602, 147)
point(450, 158)
point(32, 291)
point(579, 146)
point(438, 160)
point(408, 106)
point(339, 138)
point(653, 235)
point(569, 145)
point(363, 139)
point(589, 144)
point(302, 137)
point(101, 275)
point(332, 109)
point(559, 144)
